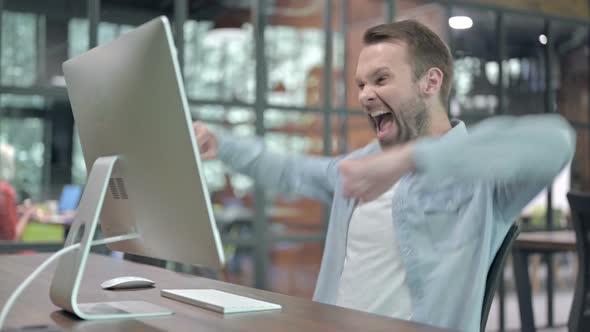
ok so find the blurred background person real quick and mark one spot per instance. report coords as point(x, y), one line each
point(13, 218)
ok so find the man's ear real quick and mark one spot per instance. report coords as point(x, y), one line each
point(431, 82)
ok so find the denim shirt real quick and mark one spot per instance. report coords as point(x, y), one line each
point(451, 213)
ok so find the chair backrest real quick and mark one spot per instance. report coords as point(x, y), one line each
point(495, 272)
point(579, 319)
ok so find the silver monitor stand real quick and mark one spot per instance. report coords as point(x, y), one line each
point(70, 270)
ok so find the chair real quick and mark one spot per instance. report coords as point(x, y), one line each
point(495, 273)
point(579, 319)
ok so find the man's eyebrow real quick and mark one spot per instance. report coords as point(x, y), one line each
point(376, 72)
point(380, 70)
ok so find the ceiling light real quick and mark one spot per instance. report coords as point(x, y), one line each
point(543, 39)
point(460, 22)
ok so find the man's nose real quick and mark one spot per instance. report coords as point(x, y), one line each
point(367, 96)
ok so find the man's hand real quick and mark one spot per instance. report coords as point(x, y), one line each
point(368, 178)
point(206, 140)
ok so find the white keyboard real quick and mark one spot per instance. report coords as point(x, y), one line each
point(219, 301)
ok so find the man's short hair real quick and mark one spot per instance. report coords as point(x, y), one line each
point(425, 49)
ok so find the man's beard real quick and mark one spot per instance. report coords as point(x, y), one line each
point(412, 119)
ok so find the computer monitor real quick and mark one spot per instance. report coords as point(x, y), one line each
point(145, 173)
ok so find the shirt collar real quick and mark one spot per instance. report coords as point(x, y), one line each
point(458, 129)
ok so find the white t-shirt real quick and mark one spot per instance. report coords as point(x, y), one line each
point(374, 277)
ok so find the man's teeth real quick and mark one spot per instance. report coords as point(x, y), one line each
point(376, 114)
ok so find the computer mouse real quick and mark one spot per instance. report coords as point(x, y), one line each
point(127, 283)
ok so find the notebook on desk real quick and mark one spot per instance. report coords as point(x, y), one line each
point(219, 301)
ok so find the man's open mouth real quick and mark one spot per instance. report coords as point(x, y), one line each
point(382, 121)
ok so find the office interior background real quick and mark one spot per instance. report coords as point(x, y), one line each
point(284, 69)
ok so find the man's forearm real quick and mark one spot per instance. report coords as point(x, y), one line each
point(402, 156)
point(504, 149)
point(280, 173)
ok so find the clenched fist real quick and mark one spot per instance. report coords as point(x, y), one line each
point(369, 177)
point(206, 140)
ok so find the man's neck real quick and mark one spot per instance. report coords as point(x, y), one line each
point(439, 121)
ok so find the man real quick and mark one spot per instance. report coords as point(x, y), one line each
point(417, 218)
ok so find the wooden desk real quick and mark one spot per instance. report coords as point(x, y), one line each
point(34, 306)
point(534, 243)
point(547, 241)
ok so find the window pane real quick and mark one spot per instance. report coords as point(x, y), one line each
point(18, 49)
point(24, 139)
point(294, 132)
point(295, 53)
point(475, 54)
point(9, 100)
point(78, 32)
point(19, 62)
point(219, 58)
point(524, 68)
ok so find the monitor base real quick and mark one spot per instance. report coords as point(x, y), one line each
point(67, 279)
point(123, 309)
